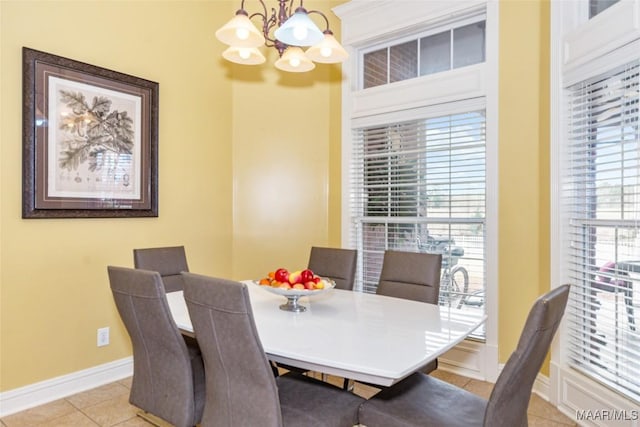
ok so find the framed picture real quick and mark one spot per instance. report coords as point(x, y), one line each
point(90, 140)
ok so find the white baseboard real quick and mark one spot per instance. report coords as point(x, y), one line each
point(22, 398)
point(592, 404)
point(541, 387)
point(578, 394)
point(26, 397)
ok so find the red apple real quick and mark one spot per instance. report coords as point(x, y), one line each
point(310, 285)
point(282, 275)
point(307, 275)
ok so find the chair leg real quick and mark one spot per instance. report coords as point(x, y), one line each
point(347, 384)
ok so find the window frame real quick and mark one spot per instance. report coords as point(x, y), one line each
point(581, 48)
point(367, 25)
point(418, 36)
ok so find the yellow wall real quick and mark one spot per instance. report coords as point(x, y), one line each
point(523, 166)
point(249, 171)
point(280, 172)
point(53, 280)
point(246, 155)
point(286, 160)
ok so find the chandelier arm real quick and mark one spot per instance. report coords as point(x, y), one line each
point(264, 7)
point(268, 22)
point(326, 20)
point(263, 15)
point(290, 8)
point(267, 25)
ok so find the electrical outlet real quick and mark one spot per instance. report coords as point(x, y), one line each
point(103, 336)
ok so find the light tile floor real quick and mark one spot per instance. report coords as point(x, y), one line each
point(108, 406)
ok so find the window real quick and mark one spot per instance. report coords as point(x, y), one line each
point(420, 186)
point(418, 178)
point(433, 53)
point(603, 239)
point(595, 76)
point(420, 150)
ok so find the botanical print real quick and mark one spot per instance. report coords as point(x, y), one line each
point(94, 142)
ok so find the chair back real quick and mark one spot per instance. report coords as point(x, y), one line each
point(509, 399)
point(158, 347)
point(168, 261)
point(410, 275)
point(336, 264)
point(243, 391)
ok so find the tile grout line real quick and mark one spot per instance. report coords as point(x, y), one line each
point(543, 414)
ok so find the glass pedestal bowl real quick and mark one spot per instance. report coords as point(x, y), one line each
point(293, 295)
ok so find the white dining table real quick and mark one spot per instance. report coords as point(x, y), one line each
point(361, 336)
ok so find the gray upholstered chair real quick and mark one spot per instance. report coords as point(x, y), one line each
point(243, 391)
point(168, 261)
point(410, 275)
point(338, 265)
point(422, 400)
point(168, 376)
point(413, 276)
point(335, 263)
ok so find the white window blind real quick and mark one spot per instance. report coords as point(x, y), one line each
point(420, 186)
point(602, 199)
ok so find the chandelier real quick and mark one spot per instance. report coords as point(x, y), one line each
point(291, 32)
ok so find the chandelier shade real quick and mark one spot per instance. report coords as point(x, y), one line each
point(299, 30)
point(244, 55)
point(240, 32)
point(295, 61)
point(284, 29)
point(328, 51)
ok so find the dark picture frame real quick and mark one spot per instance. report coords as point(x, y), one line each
point(90, 140)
